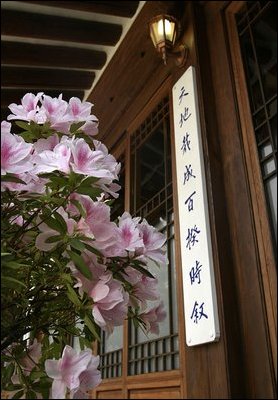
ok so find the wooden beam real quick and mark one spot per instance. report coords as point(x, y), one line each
point(130, 73)
point(118, 8)
point(40, 26)
point(16, 53)
point(9, 96)
point(42, 78)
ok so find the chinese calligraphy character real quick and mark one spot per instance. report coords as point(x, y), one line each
point(194, 273)
point(185, 143)
point(183, 93)
point(184, 116)
point(191, 237)
point(189, 201)
point(198, 312)
point(188, 173)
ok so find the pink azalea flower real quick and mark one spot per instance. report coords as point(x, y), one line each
point(15, 154)
point(98, 219)
point(66, 371)
point(90, 128)
point(55, 112)
point(145, 289)
point(34, 353)
point(98, 270)
point(111, 189)
point(129, 235)
point(5, 127)
point(110, 304)
point(153, 242)
point(89, 379)
point(46, 144)
point(28, 110)
point(47, 232)
point(110, 300)
point(29, 361)
point(106, 160)
point(58, 159)
point(89, 162)
point(78, 111)
point(153, 317)
point(33, 183)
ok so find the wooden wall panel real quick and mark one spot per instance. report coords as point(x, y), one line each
point(163, 393)
point(110, 394)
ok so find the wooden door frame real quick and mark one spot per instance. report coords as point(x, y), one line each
point(258, 201)
point(172, 380)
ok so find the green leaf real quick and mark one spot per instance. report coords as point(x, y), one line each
point(36, 374)
point(80, 264)
point(11, 178)
point(12, 282)
point(142, 270)
point(89, 191)
point(89, 181)
point(75, 126)
point(90, 325)
point(27, 136)
point(15, 265)
point(67, 278)
point(9, 370)
point(93, 250)
point(23, 125)
point(73, 296)
point(54, 239)
point(18, 394)
point(30, 394)
point(77, 244)
point(12, 387)
point(61, 221)
point(79, 206)
point(53, 224)
point(59, 180)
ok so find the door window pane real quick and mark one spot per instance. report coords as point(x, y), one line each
point(257, 28)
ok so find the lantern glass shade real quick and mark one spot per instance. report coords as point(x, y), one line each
point(163, 31)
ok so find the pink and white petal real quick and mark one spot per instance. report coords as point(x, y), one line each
point(99, 291)
point(58, 390)
point(90, 378)
point(41, 241)
point(52, 369)
point(98, 317)
point(102, 231)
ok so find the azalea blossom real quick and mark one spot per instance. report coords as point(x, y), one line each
point(28, 109)
point(57, 159)
point(55, 113)
point(30, 360)
point(116, 253)
point(89, 379)
point(152, 317)
point(15, 153)
point(47, 232)
point(153, 243)
point(66, 372)
point(89, 162)
point(32, 183)
point(80, 111)
point(110, 304)
point(145, 289)
point(129, 233)
point(98, 220)
point(110, 301)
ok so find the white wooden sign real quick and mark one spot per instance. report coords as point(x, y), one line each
point(200, 305)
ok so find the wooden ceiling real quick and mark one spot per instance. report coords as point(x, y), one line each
point(58, 46)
